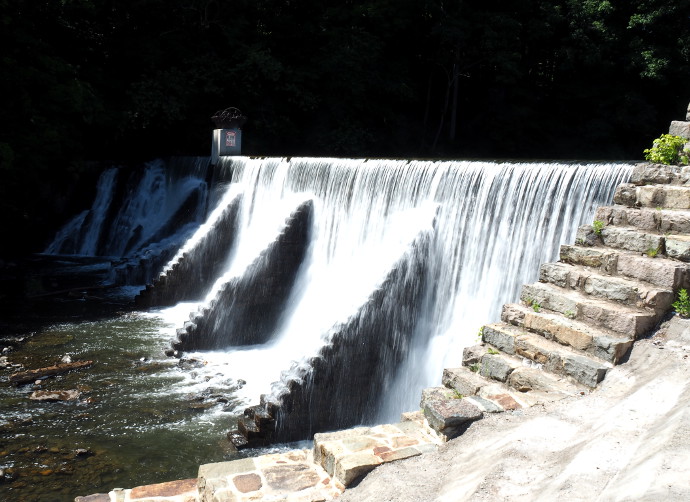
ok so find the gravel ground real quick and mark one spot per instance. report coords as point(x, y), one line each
point(629, 440)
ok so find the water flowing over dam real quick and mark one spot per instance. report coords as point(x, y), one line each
point(394, 264)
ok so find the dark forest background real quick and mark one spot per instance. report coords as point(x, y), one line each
point(90, 81)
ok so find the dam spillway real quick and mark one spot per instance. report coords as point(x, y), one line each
point(402, 262)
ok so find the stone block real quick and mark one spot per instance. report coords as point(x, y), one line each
point(680, 128)
point(436, 394)
point(585, 236)
point(450, 418)
point(503, 341)
point(495, 367)
point(473, 354)
point(352, 467)
point(626, 195)
point(678, 247)
point(289, 478)
point(611, 349)
point(561, 331)
point(462, 380)
point(584, 370)
point(528, 379)
point(224, 469)
point(630, 239)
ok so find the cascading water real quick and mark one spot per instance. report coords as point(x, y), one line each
point(491, 225)
point(140, 217)
point(153, 196)
point(398, 264)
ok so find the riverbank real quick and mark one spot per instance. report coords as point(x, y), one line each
point(627, 440)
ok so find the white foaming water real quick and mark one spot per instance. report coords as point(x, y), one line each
point(147, 207)
point(493, 224)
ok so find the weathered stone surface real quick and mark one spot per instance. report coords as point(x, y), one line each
point(584, 370)
point(569, 332)
point(246, 483)
point(392, 455)
point(622, 319)
point(678, 247)
point(604, 286)
point(222, 469)
point(472, 354)
point(503, 341)
point(653, 196)
point(667, 274)
point(496, 367)
point(96, 497)
point(646, 174)
point(55, 395)
point(352, 467)
point(680, 128)
point(451, 417)
point(169, 489)
point(505, 401)
point(412, 416)
point(436, 394)
point(215, 490)
point(631, 239)
point(528, 379)
point(291, 478)
point(655, 220)
point(585, 236)
point(485, 405)
point(463, 381)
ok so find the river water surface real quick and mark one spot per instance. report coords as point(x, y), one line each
point(140, 418)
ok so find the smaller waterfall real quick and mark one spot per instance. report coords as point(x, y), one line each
point(80, 235)
point(139, 216)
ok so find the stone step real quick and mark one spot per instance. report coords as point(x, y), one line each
point(603, 344)
point(650, 174)
point(662, 272)
point(625, 238)
point(625, 291)
point(535, 387)
point(674, 221)
point(624, 319)
point(526, 360)
point(549, 355)
point(663, 196)
point(348, 455)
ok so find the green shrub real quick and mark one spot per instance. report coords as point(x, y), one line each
point(682, 304)
point(668, 149)
point(597, 226)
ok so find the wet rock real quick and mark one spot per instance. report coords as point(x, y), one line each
point(191, 363)
point(59, 395)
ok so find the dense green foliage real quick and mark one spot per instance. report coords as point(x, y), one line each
point(682, 303)
point(667, 149)
point(108, 79)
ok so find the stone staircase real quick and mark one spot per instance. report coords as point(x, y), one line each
point(612, 287)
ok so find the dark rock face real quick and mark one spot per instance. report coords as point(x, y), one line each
point(247, 309)
point(194, 273)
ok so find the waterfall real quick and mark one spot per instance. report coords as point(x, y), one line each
point(150, 202)
point(486, 228)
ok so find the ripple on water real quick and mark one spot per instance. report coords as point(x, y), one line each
point(140, 417)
